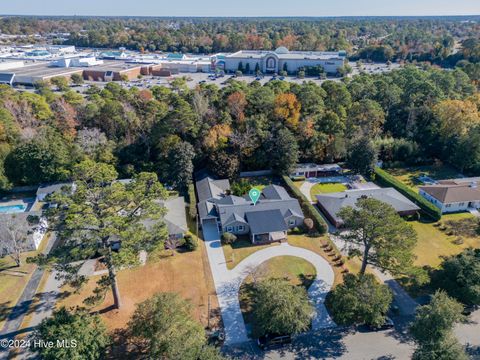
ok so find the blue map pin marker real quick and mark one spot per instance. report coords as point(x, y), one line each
point(254, 195)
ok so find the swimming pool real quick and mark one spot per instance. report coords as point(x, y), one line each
point(12, 208)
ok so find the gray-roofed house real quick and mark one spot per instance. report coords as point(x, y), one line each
point(33, 231)
point(175, 219)
point(44, 190)
point(273, 214)
point(331, 204)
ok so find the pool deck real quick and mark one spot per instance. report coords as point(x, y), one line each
point(27, 202)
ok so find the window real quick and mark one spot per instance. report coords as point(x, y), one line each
point(291, 222)
point(448, 205)
point(229, 229)
point(461, 204)
point(240, 228)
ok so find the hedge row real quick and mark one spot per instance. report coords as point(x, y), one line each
point(385, 179)
point(192, 202)
point(307, 207)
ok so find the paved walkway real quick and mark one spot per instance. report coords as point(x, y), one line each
point(306, 187)
point(227, 283)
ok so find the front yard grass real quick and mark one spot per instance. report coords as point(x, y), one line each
point(241, 249)
point(318, 189)
point(433, 244)
point(409, 175)
point(185, 273)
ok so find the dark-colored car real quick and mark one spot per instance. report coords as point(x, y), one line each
point(469, 309)
point(271, 341)
point(387, 324)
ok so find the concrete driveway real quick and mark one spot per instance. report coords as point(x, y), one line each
point(227, 282)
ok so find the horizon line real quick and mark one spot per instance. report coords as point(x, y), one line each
point(241, 17)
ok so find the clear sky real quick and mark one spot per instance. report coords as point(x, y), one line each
point(240, 7)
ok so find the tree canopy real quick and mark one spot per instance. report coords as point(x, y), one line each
point(378, 235)
point(280, 308)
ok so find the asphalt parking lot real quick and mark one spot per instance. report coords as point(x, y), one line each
point(194, 79)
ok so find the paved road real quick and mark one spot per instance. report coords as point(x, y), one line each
point(338, 343)
point(18, 313)
point(227, 283)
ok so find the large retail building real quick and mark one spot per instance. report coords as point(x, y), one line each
point(269, 62)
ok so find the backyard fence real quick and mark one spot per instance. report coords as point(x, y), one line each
point(385, 179)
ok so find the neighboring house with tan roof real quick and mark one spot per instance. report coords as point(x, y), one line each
point(453, 195)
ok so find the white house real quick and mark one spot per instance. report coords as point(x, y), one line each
point(453, 195)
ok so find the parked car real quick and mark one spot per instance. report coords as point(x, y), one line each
point(282, 78)
point(202, 81)
point(469, 309)
point(271, 341)
point(387, 324)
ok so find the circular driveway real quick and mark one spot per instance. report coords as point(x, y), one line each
point(228, 282)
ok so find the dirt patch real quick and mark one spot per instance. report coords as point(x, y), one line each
point(184, 273)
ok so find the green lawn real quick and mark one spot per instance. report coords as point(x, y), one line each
point(326, 188)
point(434, 243)
point(409, 175)
point(241, 249)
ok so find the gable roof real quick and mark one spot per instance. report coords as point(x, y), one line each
point(334, 202)
point(275, 192)
point(175, 218)
point(266, 221)
point(452, 193)
point(209, 188)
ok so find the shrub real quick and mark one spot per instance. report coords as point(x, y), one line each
point(308, 224)
point(192, 202)
point(428, 208)
point(450, 232)
point(301, 75)
point(458, 241)
point(191, 244)
point(228, 238)
point(308, 209)
point(238, 73)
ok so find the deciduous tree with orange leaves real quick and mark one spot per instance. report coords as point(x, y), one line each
point(287, 108)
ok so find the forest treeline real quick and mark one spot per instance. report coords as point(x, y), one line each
point(409, 116)
point(434, 39)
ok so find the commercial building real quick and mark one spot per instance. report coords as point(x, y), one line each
point(331, 204)
point(113, 71)
point(270, 62)
point(32, 72)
